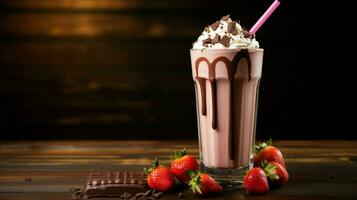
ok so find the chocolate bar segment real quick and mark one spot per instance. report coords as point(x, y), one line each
point(114, 184)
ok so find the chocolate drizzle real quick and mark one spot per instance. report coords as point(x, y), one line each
point(212, 82)
point(202, 83)
point(232, 68)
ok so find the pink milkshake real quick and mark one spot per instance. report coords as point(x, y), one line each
point(226, 68)
point(227, 82)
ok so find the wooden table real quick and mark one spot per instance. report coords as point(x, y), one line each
point(318, 169)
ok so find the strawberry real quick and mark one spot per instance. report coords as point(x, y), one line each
point(159, 177)
point(276, 173)
point(255, 181)
point(203, 184)
point(181, 163)
point(265, 151)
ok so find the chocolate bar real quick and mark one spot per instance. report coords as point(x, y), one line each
point(114, 184)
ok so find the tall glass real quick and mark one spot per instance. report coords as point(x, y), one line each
point(227, 86)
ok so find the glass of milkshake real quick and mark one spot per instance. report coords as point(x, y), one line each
point(226, 68)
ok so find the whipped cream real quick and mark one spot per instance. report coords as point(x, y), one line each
point(225, 34)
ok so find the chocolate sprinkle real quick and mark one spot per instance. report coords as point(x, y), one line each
point(216, 39)
point(225, 18)
point(225, 40)
point(76, 197)
point(125, 195)
point(181, 195)
point(157, 195)
point(137, 195)
point(231, 27)
point(140, 198)
point(215, 25)
point(76, 193)
point(147, 193)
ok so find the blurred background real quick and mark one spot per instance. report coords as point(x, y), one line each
point(99, 69)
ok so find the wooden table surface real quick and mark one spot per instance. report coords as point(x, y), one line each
point(318, 169)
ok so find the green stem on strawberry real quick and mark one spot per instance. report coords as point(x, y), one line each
point(203, 184)
point(155, 164)
point(165, 164)
point(195, 181)
point(262, 145)
point(269, 170)
point(178, 154)
point(191, 173)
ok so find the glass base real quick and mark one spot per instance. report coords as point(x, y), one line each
point(230, 178)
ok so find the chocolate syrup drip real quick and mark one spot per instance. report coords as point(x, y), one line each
point(214, 102)
point(232, 68)
point(212, 80)
point(202, 83)
point(232, 118)
point(242, 54)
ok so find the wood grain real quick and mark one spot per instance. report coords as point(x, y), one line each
point(97, 24)
point(318, 169)
point(118, 26)
point(101, 5)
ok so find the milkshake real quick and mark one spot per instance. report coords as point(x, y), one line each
point(226, 68)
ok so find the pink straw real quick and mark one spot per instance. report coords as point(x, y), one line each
point(264, 17)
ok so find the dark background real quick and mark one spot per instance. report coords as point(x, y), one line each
point(89, 69)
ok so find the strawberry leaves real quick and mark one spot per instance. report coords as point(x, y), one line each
point(155, 164)
point(195, 181)
point(269, 170)
point(261, 146)
point(178, 154)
